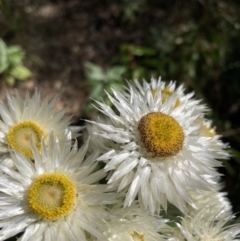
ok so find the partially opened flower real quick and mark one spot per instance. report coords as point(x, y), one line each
point(134, 224)
point(29, 120)
point(198, 228)
point(55, 197)
point(159, 153)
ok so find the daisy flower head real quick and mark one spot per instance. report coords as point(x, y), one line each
point(160, 154)
point(134, 224)
point(198, 228)
point(29, 120)
point(55, 197)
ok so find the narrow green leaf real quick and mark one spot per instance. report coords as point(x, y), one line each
point(3, 57)
point(20, 72)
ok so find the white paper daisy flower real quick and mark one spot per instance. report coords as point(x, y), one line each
point(134, 224)
point(160, 153)
point(54, 198)
point(28, 120)
point(198, 228)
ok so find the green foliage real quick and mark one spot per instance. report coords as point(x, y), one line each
point(139, 61)
point(14, 16)
point(100, 80)
point(11, 63)
point(193, 49)
point(131, 9)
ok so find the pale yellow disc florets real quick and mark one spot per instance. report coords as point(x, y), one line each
point(51, 196)
point(137, 236)
point(21, 135)
point(166, 93)
point(161, 134)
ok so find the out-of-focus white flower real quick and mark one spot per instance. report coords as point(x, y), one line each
point(26, 121)
point(200, 228)
point(134, 224)
point(160, 154)
point(206, 199)
point(55, 197)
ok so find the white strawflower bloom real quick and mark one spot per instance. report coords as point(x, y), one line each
point(198, 228)
point(96, 141)
point(206, 199)
point(134, 224)
point(55, 197)
point(5, 159)
point(28, 120)
point(160, 153)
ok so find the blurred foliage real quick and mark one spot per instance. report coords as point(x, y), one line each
point(100, 80)
point(192, 50)
point(13, 16)
point(11, 63)
point(131, 9)
point(140, 61)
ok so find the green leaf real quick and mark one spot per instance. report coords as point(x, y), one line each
point(15, 55)
point(115, 73)
point(10, 80)
point(94, 72)
point(88, 108)
point(141, 51)
point(3, 57)
point(138, 73)
point(118, 85)
point(97, 91)
point(20, 72)
point(13, 49)
point(137, 50)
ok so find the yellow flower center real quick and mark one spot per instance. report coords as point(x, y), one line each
point(137, 236)
point(21, 135)
point(51, 196)
point(166, 93)
point(161, 134)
